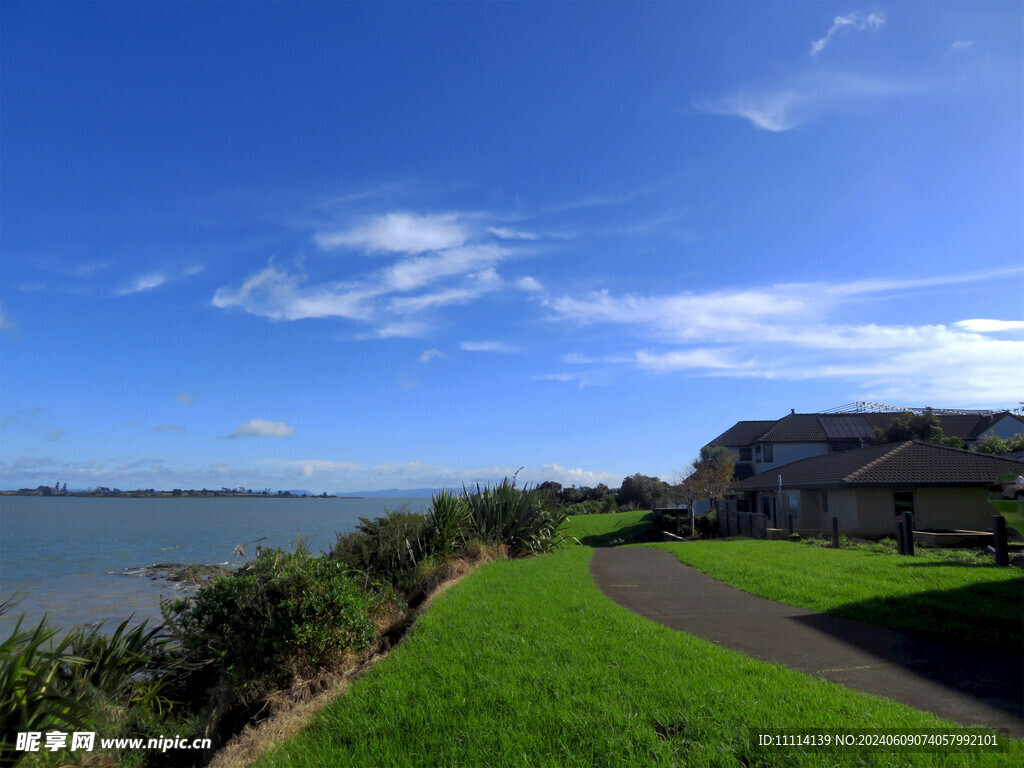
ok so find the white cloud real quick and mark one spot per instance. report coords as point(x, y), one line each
point(184, 397)
point(789, 332)
point(529, 284)
point(990, 326)
point(263, 428)
point(167, 428)
point(400, 233)
point(850, 21)
point(486, 346)
point(144, 283)
point(430, 354)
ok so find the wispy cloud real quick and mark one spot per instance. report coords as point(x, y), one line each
point(512, 234)
point(167, 428)
point(6, 322)
point(436, 261)
point(263, 428)
point(273, 292)
point(529, 284)
point(793, 332)
point(143, 283)
point(852, 21)
point(801, 98)
point(185, 398)
point(487, 346)
point(429, 354)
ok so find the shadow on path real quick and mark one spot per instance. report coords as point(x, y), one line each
point(969, 686)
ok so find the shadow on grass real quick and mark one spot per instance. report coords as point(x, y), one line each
point(637, 533)
point(955, 563)
point(968, 639)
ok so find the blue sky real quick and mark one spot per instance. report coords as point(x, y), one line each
point(361, 246)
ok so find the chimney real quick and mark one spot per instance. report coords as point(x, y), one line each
point(792, 411)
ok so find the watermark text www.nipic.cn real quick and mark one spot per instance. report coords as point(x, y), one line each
point(85, 741)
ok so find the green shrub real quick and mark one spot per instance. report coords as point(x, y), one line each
point(284, 614)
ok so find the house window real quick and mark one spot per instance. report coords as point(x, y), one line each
point(824, 501)
point(769, 454)
point(903, 501)
point(757, 452)
point(745, 454)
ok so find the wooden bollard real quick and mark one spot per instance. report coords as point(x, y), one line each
point(835, 533)
point(901, 539)
point(908, 531)
point(999, 536)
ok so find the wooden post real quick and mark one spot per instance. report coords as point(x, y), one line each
point(790, 523)
point(901, 540)
point(999, 536)
point(908, 531)
point(835, 533)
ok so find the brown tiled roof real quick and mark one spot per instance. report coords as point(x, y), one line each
point(796, 428)
point(742, 433)
point(912, 463)
point(830, 427)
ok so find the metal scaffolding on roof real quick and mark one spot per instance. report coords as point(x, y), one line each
point(862, 406)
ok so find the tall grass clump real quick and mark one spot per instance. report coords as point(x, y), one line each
point(86, 680)
point(388, 546)
point(448, 519)
point(32, 694)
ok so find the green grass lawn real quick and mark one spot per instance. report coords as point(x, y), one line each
point(979, 605)
point(607, 529)
point(526, 663)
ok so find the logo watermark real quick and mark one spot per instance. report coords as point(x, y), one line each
point(85, 741)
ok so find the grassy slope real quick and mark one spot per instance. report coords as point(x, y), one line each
point(968, 604)
point(602, 530)
point(526, 663)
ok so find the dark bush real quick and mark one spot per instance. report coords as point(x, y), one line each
point(706, 525)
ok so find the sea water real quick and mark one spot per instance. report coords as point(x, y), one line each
point(69, 556)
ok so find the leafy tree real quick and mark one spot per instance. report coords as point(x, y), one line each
point(916, 426)
point(996, 445)
point(642, 491)
point(708, 476)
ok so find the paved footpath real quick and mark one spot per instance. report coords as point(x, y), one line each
point(959, 684)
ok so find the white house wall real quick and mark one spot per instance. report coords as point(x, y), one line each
point(953, 508)
point(1008, 426)
point(787, 453)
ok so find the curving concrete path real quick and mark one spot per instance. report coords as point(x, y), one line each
point(972, 687)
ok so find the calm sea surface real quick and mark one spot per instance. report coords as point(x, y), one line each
point(70, 554)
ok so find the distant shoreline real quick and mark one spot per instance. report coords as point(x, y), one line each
point(191, 494)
